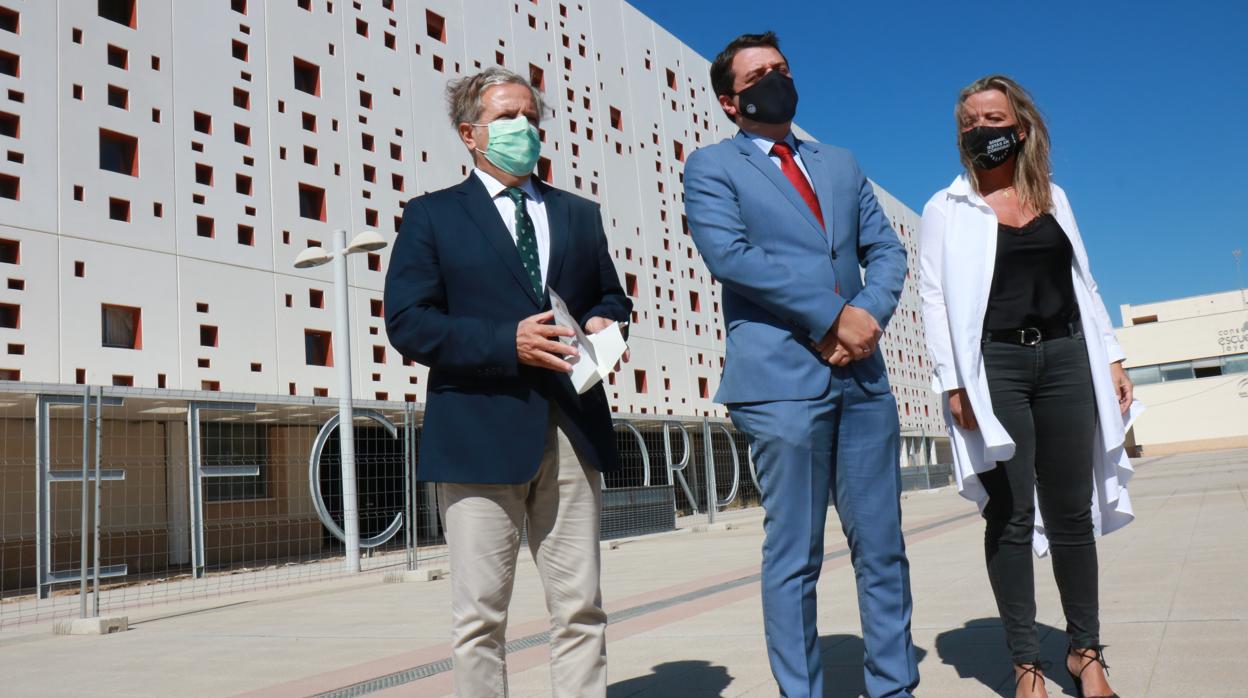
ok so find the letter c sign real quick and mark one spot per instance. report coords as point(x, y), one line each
point(314, 480)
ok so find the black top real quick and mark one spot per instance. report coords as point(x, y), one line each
point(1032, 284)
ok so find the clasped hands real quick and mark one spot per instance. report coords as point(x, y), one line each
point(537, 341)
point(853, 337)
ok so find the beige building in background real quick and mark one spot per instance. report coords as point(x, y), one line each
point(1188, 358)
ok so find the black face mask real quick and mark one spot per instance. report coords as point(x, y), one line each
point(989, 147)
point(771, 100)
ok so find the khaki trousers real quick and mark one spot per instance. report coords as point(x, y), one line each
point(562, 503)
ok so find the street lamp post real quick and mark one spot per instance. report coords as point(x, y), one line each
point(367, 241)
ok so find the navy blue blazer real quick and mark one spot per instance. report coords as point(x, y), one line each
point(455, 292)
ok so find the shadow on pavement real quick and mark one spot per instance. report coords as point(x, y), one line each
point(978, 651)
point(842, 665)
point(684, 678)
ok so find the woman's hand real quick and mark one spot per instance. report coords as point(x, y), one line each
point(960, 406)
point(1122, 386)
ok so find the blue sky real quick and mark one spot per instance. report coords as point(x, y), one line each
point(1147, 106)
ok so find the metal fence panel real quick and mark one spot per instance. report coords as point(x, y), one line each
point(201, 494)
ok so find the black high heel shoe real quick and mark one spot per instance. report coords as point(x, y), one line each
point(1034, 671)
point(1097, 658)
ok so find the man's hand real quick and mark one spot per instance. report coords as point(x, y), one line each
point(857, 331)
point(1122, 386)
point(960, 406)
point(854, 334)
point(537, 344)
point(833, 351)
point(598, 324)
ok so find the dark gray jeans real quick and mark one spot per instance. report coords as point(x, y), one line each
point(1043, 397)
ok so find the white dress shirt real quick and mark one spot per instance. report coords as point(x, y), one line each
point(535, 206)
point(765, 144)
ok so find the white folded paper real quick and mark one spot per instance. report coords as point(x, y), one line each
point(598, 352)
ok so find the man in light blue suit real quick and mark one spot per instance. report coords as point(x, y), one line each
point(785, 225)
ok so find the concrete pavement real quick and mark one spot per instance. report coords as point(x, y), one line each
point(686, 618)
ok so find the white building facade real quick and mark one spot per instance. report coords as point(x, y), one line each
point(164, 163)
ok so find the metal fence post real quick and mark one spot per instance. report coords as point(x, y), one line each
point(99, 440)
point(429, 497)
point(43, 519)
point(82, 536)
point(709, 455)
point(194, 490)
point(409, 485)
point(433, 521)
point(927, 463)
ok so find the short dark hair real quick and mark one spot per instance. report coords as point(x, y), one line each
point(722, 76)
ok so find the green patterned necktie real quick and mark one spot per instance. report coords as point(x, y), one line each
point(526, 241)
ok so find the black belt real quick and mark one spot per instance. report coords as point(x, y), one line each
point(1031, 336)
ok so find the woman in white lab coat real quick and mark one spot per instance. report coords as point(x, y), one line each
point(1024, 354)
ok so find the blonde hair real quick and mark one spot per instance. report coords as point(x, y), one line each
point(1031, 169)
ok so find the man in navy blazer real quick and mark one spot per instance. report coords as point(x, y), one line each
point(785, 226)
point(505, 434)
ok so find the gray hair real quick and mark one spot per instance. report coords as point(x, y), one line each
point(463, 96)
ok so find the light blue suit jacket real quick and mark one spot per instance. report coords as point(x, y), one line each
point(779, 268)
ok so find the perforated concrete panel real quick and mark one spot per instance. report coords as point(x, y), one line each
point(173, 161)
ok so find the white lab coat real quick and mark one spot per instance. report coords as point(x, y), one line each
point(958, 249)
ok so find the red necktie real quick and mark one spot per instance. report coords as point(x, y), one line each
point(788, 165)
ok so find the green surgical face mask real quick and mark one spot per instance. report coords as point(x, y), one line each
point(514, 146)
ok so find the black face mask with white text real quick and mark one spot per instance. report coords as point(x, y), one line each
point(989, 147)
point(771, 100)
